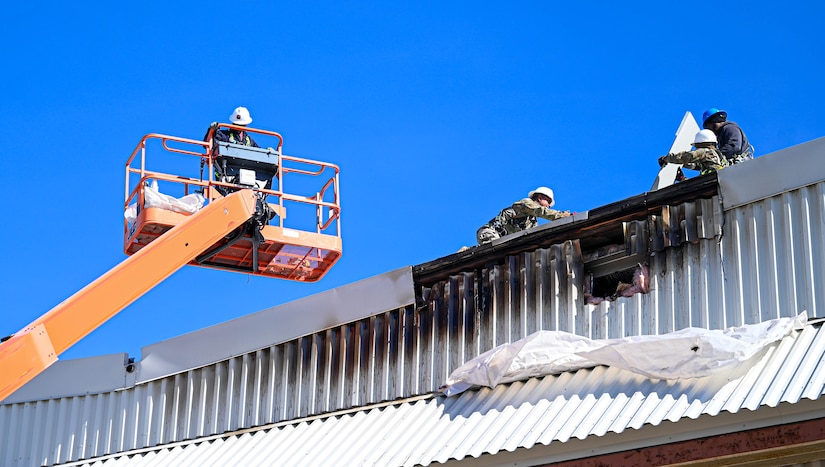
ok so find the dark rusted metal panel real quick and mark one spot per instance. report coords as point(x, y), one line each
point(634, 208)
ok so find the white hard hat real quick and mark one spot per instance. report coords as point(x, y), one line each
point(240, 116)
point(704, 136)
point(544, 191)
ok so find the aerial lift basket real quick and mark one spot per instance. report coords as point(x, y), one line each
point(301, 247)
point(232, 218)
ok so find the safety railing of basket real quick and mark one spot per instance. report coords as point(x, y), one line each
point(136, 165)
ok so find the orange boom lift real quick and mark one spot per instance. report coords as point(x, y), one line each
point(231, 216)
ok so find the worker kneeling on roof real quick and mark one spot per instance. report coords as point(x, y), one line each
point(705, 158)
point(732, 141)
point(521, 215)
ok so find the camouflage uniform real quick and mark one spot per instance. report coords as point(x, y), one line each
point(520, 216)
point(705, 160)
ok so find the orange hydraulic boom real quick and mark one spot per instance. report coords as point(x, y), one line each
point(36, 346)
point(241, 228)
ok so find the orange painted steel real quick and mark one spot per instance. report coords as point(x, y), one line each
point(226, 234)
point(292, 252)
point(35, 347)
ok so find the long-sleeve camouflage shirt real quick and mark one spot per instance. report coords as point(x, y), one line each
point(705, 160)
point(522, 215)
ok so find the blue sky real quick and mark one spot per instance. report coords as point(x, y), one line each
point(438, 113)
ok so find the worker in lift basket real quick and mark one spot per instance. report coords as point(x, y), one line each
point(705, 158)
point(521, 215)
point(732, 140)
point(240, 116)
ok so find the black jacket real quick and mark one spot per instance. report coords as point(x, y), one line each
point(732, 140)
point(233, 136)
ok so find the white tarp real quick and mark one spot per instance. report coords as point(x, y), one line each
point(689, 353)
point(188, 204)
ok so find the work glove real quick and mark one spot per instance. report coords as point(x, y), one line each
point(213, 125)
point(662, 161)
point(680, 176)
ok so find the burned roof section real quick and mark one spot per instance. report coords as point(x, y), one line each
point(598, 228)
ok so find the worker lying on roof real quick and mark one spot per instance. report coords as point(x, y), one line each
point(521, 215)
point(705, 158)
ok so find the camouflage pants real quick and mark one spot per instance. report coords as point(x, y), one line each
point(486, 234)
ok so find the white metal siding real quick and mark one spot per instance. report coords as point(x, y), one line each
point(521, 415)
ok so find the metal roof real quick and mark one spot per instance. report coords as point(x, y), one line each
point(539, 411)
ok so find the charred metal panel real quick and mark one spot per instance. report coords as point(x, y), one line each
point(592, 228)
point(503, 302)
point(708, 268)
point(636, 237)
point(686, 222)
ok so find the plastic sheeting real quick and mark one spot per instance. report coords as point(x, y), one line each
point(688, 353)
point(188, 204)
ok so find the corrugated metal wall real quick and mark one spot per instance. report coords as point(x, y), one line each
point(347, 366)
point(754, 263)
point(768, 262)
point(589, 405)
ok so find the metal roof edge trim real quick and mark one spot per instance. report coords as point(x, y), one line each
point(772, 174)
point(77, 377)
point(351, 302)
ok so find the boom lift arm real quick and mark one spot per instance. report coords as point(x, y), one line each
point(30, 351)
point(236, 232)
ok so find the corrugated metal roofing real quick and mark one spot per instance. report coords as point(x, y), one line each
point(539, 411)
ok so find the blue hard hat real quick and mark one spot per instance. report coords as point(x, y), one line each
point(711, 112)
